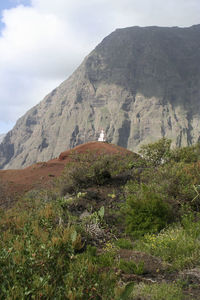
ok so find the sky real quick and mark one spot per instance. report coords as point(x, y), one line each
point(43, 41)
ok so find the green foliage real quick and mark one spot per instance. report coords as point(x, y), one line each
point(146, 212)
point(87, 280)
point(45, 250)
point(177, 183)
point(90, 170)
point(92, 251)
point(156, 153)
point(100, 173)
point(157, 291)
point(106, 259)
point(97, 216)
point(124, 243)
point(130, 267)
point(186, 154)
point(39, 256)
point(179, 244)
point(177, 173)
point(127, 291)
point(93, 168)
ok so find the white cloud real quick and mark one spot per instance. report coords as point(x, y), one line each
point(38, 43)
point(42, 44)
point(37, 51)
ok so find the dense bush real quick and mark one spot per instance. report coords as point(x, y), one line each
point(84, 171)
point(146, 212)
point(95, 169)
point(179, 244)
point(87, 279)
point(176, 182)
point(156, 153)
point(39, 257)
point(186, 154)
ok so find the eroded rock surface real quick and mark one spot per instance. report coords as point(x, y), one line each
point(1, 137)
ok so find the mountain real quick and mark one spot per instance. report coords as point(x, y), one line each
point(1, 137)
point(138, 84)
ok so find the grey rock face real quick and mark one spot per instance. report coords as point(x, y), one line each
point(1, 137)
point(138, 84)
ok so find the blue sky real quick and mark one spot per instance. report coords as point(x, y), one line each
point(7, 4)
point(43, 41)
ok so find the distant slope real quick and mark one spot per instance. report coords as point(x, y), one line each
point(139, 84)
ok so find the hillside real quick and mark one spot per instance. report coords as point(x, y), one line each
point(112, 225)
point(138, 84)
point(41, 174)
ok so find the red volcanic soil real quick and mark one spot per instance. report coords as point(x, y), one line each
point(41, 174)
point(98, 147)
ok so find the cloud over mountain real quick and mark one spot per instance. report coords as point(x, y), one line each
point(42, 43)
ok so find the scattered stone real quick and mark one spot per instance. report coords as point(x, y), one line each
point(190, 276)
point(84, 215)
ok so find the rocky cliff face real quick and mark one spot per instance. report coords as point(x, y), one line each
point(1, 137)
point(139, 84)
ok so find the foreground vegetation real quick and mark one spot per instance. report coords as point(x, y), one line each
point(111, 227)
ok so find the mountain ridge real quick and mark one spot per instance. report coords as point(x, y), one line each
point(139, 84)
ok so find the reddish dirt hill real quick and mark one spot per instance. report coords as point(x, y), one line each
point(98, 147)
point(41, 174)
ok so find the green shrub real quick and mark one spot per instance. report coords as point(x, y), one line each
point(87, 280)
point(186, 154)
point(179, 244)
point(83, 173)
point(39, 256)
point(175, 182)
point(94, 168)
point(157, 291)
point(124, 243)
point(146, 212)
point(79, 176)
point(130, 267)
point(100, 173)
point(173, 173)
point(156, 153)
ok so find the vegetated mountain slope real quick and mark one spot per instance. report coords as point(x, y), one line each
point(139, 84)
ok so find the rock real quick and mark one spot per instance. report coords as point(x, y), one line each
point(191, 276)
point(1, 137)
point(84, 215)
point(138, 84)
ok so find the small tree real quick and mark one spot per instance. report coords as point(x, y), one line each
point(156, 153)
point(146, 211)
